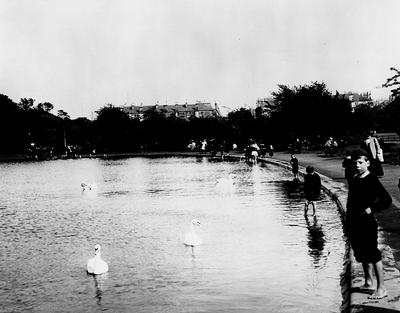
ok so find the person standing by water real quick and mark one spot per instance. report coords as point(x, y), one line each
point(312, 189)
point(294, 162)
point(366, 196)
point(348, 166)
point(371, 146)
point(271, 151)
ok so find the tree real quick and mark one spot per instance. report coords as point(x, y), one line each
point(45, 106)
point(243, 125)
point(13, 127)
point(308, 111)
point(63, 115)
point(392, 81)
point(112, 128)
point(26, 103)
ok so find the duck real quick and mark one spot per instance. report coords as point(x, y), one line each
point(192, 238)
point(96, 265)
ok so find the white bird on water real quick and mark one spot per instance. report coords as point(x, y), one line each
point(192, 238)
point(96, 265)
point(226, 184)
point(86, 186)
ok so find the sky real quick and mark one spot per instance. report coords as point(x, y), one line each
point(80, 55)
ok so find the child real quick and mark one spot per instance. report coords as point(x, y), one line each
point(366, 196)
point(294, 162)
point(312, 188)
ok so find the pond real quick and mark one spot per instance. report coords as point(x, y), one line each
point(259, 252)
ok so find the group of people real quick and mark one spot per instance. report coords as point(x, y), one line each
point(366, 195)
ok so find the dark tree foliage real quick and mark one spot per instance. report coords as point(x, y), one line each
point(243, 125)
point(42, 127)
point(45, 106)
point(13, 132)
point(112, 130)
point(26, 104)
point(393, 82)
point(389, 116)
point(308, 111)
point(80, 133)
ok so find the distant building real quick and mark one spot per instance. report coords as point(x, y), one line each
point(357, 99)
point(184, 111)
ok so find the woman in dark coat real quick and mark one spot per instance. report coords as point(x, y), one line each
point(366, 196)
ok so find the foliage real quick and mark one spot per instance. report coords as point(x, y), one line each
point(112, 130)
point(392, 81)
point(45, 106)
point(307, 112)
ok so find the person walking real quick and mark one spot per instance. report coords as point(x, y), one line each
point(294, 162)
point(312, 189)
point(366, 196)
point(372, 147)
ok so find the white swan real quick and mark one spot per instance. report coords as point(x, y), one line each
point(225, 184)
point(192, 238)
point(86, 186)
point(96, 265)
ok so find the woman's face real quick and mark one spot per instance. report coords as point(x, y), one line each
point(361, 165)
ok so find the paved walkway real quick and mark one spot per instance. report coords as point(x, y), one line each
point(389, 231)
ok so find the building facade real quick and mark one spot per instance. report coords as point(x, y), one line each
point(184, 111)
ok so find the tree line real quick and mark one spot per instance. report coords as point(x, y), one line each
point(307, 111)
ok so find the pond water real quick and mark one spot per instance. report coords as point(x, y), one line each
point(259, 253)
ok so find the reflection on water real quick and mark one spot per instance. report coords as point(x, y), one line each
point(316, 240)
point(259, 254)
point(99, 285)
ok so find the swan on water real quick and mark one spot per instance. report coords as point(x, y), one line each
point(192, 238)
point(96, 265)
point(86, 186)
point(92, 187)
point(225, 184)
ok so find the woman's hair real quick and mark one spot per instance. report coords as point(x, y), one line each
point(309, 169)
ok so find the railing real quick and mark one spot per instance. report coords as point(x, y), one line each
point(394, 138)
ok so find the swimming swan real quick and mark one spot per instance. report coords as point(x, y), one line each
point(86, 186)
point(191, 238)
point(96, 265)
point(225, 184)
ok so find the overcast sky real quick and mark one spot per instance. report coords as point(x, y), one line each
point(80, 55)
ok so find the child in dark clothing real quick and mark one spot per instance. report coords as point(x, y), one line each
point(366, 196)
point(294, 162)
point(312, 189)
